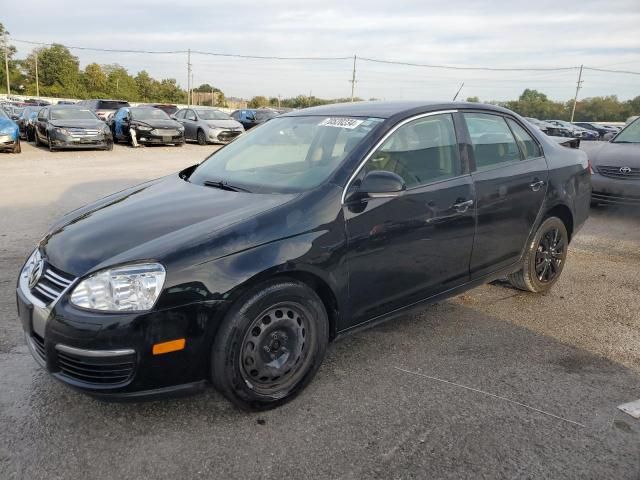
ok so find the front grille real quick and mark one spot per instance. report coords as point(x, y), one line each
point(615, 172)
point(609, 199)
point(96, 370)
point(51, 284)
point(83, 132)
point(168, 132)
point(228, 135)
point(38, 343)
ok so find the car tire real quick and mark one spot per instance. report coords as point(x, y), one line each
point(201, 137)
point(109, 146)
point(270, 345)
point(37, 139)
point(17, 148)
point(49, 144)
point(544, 258)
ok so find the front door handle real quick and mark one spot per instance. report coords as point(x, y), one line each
point(535, 186)
point(462, 207)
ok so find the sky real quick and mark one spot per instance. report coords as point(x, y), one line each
point(497, 34)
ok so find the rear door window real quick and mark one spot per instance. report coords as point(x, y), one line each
point(492, 140)
point(527, 144)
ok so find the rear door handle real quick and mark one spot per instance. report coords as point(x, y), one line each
point(462, 207)
point(535, 186)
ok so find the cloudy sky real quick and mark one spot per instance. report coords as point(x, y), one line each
point(501, 34)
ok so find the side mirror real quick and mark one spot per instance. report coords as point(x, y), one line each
point(381, 184)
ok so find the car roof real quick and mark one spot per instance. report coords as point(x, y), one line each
point(387, 109)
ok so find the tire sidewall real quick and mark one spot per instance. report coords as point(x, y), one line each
point(227, 345)
point(530, 261)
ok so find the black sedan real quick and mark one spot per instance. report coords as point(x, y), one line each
point(616, 169)
point(69, 126)
point(149, 125)
point(241, 269)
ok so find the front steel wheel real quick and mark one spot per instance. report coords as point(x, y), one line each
point(270, 345)
point(544, 259)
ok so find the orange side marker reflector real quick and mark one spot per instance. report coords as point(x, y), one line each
point(171, 346)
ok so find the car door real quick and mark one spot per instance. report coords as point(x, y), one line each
point(179, 117)
point(41, 124)
point(405, 248)
point(510, 178)
point(190, 124)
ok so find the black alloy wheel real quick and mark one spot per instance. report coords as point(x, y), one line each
point(544, 258)
point(49, 144)
point(270, 344)
point(549, 255)
point(202, 138)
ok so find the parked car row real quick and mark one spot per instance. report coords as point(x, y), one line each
point(101, 123)
point(581, 130)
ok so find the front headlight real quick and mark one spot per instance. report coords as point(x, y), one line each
point(143, 128)
point(63, 131)
point(121, 289)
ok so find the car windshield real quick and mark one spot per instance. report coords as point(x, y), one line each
point(287, 154)
point(631, 134)
point(148, 114)
point(71, 114)
point(212, 115)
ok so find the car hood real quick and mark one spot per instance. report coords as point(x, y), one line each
point(617, 155)
point(223, 123)
point(151, 221)
point(95, 124)
point(159, 123)
point(7, 123)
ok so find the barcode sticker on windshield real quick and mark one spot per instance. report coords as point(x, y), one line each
point(341, 122)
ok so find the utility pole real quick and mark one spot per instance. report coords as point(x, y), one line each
point(192, 89)
point(575, 99)
point(278, 100)
point(6, 61)
point(353, 78)
point(310, 92)
point(458, 92)
point(37, 81)
point(189, 77)
point(212, 95)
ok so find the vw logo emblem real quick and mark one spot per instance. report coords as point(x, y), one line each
point(625, 170)
point(37, 269)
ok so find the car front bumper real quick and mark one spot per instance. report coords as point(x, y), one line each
point(147, 138)
point(110, 355)
point(223, 136)
point(7, 142)
point(614, 191)
point(59, 140)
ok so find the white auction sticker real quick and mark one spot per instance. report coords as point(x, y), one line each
point(341, 122)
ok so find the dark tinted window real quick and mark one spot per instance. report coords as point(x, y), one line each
point(492, 141)
point(110, 104)
point(180, 114)
point(527, 144)
point(190, 115)
point(422, 151)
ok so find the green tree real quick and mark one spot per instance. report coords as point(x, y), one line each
point(169, 91)
point(94, 80)
point(147, 87)
point(119, 83)
point(259, 101)
point(16, 78)
point(58, 72)
point(536, 104)
point(599, 109)
point(473, 100)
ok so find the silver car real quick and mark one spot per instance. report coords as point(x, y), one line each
point(208, 125)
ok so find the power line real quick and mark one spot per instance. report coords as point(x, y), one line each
point(611, 71)
point(489, 69)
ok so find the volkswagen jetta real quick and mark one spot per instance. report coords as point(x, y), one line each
point(241, 269)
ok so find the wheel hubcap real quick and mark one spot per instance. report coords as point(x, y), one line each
point(275, 348)
point(550, 255)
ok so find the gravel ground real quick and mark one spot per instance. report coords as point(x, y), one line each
point(556, 367)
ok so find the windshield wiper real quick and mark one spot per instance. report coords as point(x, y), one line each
point(222, 185)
